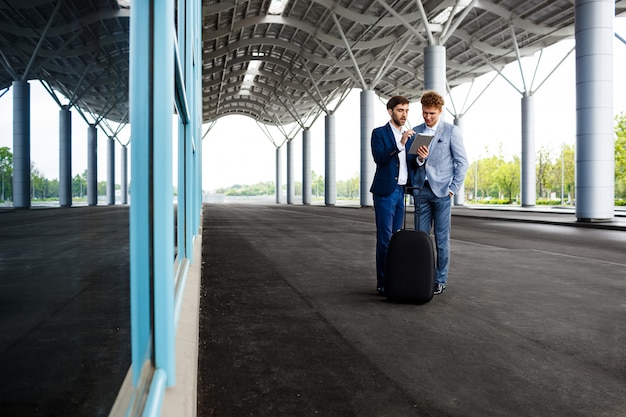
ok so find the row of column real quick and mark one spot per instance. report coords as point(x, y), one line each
point(594, 124)
point(22, 160)
point(434, 66)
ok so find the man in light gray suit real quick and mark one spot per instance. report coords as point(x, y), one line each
point(437, 173)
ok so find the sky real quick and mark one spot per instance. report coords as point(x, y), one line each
point(237, 151)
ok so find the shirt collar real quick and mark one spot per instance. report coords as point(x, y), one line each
point(395, 129)
point(434, 128)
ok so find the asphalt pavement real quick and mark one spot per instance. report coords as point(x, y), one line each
point(290, 323)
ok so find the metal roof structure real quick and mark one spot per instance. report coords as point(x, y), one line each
point(278, 68)
point(76, 48)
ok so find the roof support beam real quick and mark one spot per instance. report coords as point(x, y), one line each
point(389, 61)
point(429, 33)
point(404, 22)
point(336, 63)
point(555, 68)
point(65, 46)
point(75, 97)
point(464, 108)
point(8, 66)
point(41, 39)
point(499, 71)
point(448, 29)
point(319, 102)
point(288, 109)
point(349, 49)
point(519, 58)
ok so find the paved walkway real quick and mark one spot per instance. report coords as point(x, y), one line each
point(289, 324)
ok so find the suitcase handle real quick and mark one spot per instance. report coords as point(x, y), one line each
point(419, 211)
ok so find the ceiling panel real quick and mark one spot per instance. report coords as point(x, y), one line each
point(283, 68)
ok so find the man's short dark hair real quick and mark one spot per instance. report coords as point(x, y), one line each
point(395, 100)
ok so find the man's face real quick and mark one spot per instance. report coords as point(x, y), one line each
point(399, 114)
point(431, 115)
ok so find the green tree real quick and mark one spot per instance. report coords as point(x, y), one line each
point(38, 183)
point(354, 184)
point(261, 188)
point(79, 185)
point(470, 180)
point(102, 188)
point(317, 184)
point(52, 188)
point(487, 170)
point(562, 173)
point(6, 173)
point(620, 156)
point(507, 177)
point(544, 167)
point(344, 189)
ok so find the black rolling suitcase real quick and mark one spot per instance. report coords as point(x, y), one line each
point(410, 266)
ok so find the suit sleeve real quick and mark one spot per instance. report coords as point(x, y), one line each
point(383, 151)
point(459, 159)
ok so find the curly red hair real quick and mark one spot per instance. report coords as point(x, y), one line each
point(432, 98)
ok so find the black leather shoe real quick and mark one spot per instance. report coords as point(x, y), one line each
point(381, 291)
point(439, 288)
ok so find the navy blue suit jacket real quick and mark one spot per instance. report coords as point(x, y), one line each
point(387, 158)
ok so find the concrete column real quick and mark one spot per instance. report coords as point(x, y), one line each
point(306, 166)
point(290, 183)
point(21, 144)
point(368, 167)
point(459, 197)
point(279, 184)
point(124, 179)
point(595, 158)
point(111, 171)
point(435, 69)
point(92, 165)
point(529, 176)
point(65, 157)
point(330, 182)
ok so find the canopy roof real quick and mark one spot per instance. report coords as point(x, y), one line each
point(278, 68)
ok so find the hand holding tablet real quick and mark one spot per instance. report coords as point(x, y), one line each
point(419, 141)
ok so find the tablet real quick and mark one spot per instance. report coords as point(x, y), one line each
point(420, 140)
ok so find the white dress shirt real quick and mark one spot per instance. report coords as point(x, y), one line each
point(431, 130)
point(403, 173)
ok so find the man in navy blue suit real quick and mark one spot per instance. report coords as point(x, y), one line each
point(389, 148)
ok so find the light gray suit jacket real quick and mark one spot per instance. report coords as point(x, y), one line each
point(446, 164)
